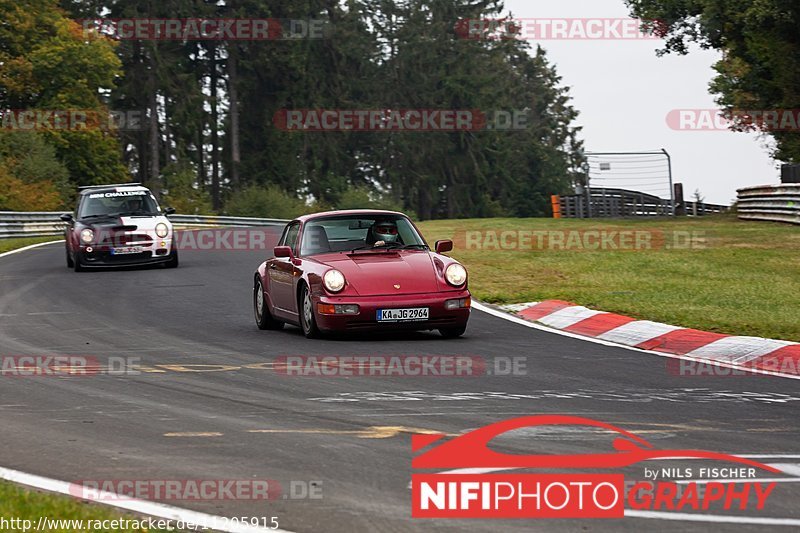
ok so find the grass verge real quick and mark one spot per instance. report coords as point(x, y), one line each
point(6, 245)
point(18, 503)
point(736, 277)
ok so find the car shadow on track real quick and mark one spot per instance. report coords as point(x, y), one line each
point(125, 268)
point(374, 336)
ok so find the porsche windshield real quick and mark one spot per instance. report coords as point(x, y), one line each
point(117, 203)
point(359, 232)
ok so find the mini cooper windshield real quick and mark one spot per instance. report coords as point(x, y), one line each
point(360, 232)
point(111, 203)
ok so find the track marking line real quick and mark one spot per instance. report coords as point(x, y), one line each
point(689, 517)
point(374, 432)
point(511, 318)
point(142, 507)
point(30, 247)
point(741, 480)
point(193, 434)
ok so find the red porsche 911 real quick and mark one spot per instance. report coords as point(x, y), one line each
point(360, 270)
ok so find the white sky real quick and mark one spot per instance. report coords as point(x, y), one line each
point(624, 92)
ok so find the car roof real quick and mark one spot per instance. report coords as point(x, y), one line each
point(312, 216)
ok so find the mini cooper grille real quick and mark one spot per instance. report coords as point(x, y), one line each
point(127, 239)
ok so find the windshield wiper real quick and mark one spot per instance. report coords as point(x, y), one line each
point(391, 246)
point(366, 248)
point(133, 214)
point(398, 246)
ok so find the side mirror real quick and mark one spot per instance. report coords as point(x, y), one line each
point(283, 251)
point(65, 217)
point(443, 246)
point(169, 211)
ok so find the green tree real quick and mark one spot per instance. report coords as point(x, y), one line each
point(47, 62)
point(267, 202)
point(209, 107)
point(31, 176)
point(181, 191)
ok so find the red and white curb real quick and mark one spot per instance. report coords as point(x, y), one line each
point(750, 354)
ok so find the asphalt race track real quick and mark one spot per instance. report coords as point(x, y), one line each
point(331, 430)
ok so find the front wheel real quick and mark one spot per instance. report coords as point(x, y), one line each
point(70, 262)
point(77, 262)
point(452, 333)
point(264, 319)
point(308, 322)
point(173, 259)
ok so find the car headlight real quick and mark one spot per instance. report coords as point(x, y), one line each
point(333, 280)
point(162, 230)
point(87, 235)
point(456, 275)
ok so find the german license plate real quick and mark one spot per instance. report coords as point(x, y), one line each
point(127, 250)
point(403, 315)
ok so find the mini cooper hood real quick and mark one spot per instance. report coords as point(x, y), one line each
point(129, 223)
point(386, 273)
point(145, 223)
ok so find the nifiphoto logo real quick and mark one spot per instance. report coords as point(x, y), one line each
point(497, 491)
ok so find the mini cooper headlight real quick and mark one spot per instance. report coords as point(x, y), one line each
point(162, 230)
point(333, 280)
point(87, 235)
point(456, 275)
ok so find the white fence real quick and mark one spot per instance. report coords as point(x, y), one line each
point(45, 224)
point(777, 203)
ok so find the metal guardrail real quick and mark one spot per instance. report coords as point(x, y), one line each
point(775, 203)
point(614, 203)
point(47, 224)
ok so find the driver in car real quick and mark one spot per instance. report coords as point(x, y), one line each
point(134, 205)
point(383, 232)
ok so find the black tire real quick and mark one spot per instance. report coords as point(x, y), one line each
point(264, 319)
point(173, 259)
point(70, 262)
point(308, 322)
point(453, 333)
point(78, 263)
